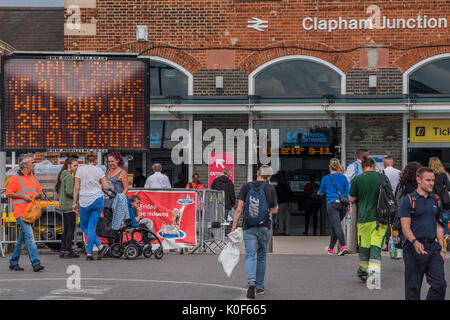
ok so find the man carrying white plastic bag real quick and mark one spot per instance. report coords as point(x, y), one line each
point(229, 257)
point(257, 200)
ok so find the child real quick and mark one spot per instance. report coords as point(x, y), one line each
point(136, 213)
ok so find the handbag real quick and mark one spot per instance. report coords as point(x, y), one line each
point(33, 211)
point(343, 200)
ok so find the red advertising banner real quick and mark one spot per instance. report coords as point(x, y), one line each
point(173, 215)
point(218, 162)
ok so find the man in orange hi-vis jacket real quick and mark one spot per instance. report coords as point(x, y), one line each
point(21, 188)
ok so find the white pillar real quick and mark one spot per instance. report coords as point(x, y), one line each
point(2, 168)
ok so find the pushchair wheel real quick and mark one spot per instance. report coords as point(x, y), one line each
point(148, 251)
point(159, 253)
point(116, 250)
point(131, 251)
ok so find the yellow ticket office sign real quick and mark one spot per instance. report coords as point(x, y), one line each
point(431, 131)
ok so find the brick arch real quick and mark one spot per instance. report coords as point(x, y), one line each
point(414, 56)
point(340, 60)
point(180, 57)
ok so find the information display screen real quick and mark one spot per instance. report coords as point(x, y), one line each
point(73, 102)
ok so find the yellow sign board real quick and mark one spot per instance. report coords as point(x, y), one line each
point(432, 131)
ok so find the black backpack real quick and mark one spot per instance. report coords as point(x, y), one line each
point(387, 205)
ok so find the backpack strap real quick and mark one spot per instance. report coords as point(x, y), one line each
point(438, 205)
point(355, 164)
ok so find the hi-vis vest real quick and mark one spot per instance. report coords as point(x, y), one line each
point(20, 205)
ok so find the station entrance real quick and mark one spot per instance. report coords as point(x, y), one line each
point(306, 147)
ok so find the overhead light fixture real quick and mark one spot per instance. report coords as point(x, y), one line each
point(219, 82)
point(372, 81)
point(390, 134)
point(142, 33)
point(357, 135)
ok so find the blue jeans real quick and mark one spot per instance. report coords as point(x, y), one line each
point(26, 237)
point(89, 217)
point(445, 219)
point(256, 240)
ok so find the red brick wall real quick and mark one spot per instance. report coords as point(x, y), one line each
point(223, 23)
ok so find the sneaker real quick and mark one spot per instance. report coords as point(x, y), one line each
point(344, 250)
point(38, 268)
point(251, 290)
point(362, 274)
point(16, 267)
point(260, 291)
point(330, 251)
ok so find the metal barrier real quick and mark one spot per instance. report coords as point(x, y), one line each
point(211, 222)
point(47, 229)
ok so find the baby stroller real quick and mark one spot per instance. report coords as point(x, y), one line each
point(131, 241)
point(135, 241)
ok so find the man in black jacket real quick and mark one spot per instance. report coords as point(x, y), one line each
point(224, 183)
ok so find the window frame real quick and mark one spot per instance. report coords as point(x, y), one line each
point(254, 73)
point(417, 66)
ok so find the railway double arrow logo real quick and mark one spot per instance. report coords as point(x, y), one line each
point(258, 24)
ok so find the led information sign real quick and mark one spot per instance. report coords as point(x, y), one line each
point(74, 102)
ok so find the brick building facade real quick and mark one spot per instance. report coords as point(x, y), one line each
point(378, 51)
point(236, 41)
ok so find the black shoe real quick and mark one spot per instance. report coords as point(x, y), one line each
point(71, 255)
point(362, 274)
point(16, 267)
point(260, 291)
point(89, 258)
point(251, 290)
point(102, 252)
point(38, 268)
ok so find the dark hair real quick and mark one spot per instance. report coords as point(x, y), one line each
point(134, 197)
point(116, 155)
point(196, 178)
point(369, 162)
point(422, 170)
point(409, 172)
point(361, 151)
point(68, 162)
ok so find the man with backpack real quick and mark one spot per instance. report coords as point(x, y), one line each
point(364, 190)
point(423, 253)
point(256, 200)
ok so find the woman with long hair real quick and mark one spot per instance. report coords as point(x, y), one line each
point(195, 184)
point(441, 180)
point(89, 182)
point(335, 185)
point(65, 187)
point(117, 179)
point(408, 181)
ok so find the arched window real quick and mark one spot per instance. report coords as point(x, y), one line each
point(430, 76)
point(168, 79)
point(297, 75)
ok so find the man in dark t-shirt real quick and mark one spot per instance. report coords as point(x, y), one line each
point(256, 238)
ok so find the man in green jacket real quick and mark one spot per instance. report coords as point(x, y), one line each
point(64, 187)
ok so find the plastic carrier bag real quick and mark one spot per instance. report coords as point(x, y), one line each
point(229, 257)
point(33, 211)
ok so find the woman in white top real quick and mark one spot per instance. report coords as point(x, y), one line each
point(89, 181)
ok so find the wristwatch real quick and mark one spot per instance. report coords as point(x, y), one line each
point(414, 240)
